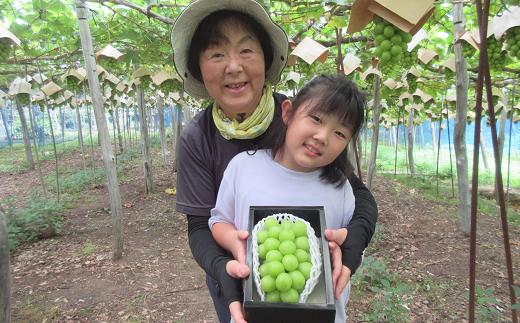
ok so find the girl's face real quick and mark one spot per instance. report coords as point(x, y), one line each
point(234, 71)
point(312, 140)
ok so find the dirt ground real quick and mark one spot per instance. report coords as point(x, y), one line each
point(71, 278)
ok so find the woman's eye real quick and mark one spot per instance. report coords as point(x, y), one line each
point(247, 50)
point(216, 55)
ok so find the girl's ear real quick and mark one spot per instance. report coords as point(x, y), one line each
point(286, 110)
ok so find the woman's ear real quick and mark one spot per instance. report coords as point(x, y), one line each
point(286, 110)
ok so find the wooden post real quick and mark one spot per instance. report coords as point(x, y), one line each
point(6, 126)
point(375, 130)
point(80, 132)
point(459, 137)
point(5, 273)
point(99, 112)
point(25, 130)
point(145, 141)
point(411, 140)
point(162, 132)
point(118, 128)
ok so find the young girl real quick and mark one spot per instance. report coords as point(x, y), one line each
point(307, 164)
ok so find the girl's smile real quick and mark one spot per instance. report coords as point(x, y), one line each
point(312, 140)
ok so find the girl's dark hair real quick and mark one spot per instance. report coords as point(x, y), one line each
point(330, 95)
point(209, 32)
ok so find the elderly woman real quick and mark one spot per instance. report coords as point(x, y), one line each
point(232, 52)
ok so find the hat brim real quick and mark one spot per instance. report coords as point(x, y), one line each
point(188, 21)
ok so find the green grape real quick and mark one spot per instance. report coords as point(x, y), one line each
point(449, 75)
point(145, 82)
point(72, 83)
point(391, 46)
point(23, 98)
point(412, 82)
point(167, 87)
point(5, 48)
point(467, 50)
point(112, 65)
point(496, 57)
point(409, 58)
point(513, 42)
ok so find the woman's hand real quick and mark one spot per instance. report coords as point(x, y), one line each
point(340, 273)
point(235, 308)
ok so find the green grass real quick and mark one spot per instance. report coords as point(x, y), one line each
point(426, 164)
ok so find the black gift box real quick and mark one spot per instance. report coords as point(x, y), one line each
point(319, 307)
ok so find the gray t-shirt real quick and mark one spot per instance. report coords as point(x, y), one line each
point(203, 155)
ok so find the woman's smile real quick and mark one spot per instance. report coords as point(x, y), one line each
point(233, 71)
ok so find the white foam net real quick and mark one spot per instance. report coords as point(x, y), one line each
point(314, 253)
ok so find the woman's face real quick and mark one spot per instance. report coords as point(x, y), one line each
point(234, 71)
point(312, 140)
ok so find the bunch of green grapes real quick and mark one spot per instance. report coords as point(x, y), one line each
point(167, 87)
point(410, 58)
point(496, 57)
point(145, 82)
point(5, 48)
point(110, 64)
point(285, 262)
point(55, 95)
point(391, 42)
point(513, 42)
point(467, 50)
point(23, 98)
point(412, 82)
point(72, 83)
point(449, 75)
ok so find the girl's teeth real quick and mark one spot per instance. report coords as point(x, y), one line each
point(236, 86)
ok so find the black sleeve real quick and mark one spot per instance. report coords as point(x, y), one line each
point(361, 227)
point(212, 258)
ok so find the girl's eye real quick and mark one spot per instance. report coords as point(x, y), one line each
point(315, 118)
point(341, 134)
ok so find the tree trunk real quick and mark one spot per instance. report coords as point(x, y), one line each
point(99, 111)
point(5, 273)
point(393, 137)
point(432, 127)
point(62, 124)
point(459, 139)
point(80, 136)
point(38, 166)
point(145, 141)
point(178, 128)
point(26, 140)
point(483, 150)
point(411, 141)
point(119, 136)
point(56, 167)
point(6, 127)
point(502, 132)
point(375, 131)
point(162, 132)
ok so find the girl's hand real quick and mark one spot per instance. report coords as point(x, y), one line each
point(238, 268)
point(239, 246)
point(340, 273)
point(235, 308)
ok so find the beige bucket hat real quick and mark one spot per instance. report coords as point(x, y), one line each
point(188, 21)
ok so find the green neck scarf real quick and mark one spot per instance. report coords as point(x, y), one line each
point(252, 127)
